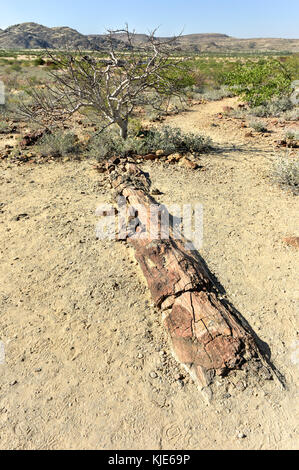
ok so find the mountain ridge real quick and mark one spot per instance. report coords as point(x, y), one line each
point(32, 35)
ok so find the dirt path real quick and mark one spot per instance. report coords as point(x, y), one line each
point(87, 361)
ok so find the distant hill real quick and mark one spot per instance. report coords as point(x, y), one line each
point(36, 36)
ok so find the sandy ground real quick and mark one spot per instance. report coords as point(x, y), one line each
point(87, 360)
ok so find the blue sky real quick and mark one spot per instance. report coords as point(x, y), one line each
point(253, 18)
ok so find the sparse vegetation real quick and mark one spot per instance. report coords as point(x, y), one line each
point(4, 127)
point(286, 173)
point(58, 144)
point(258, 126)
point(113, 88)
point(217, 93)
point(169, 140)
point(292, 134)
point(275, 107)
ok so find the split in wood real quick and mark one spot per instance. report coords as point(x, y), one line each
point(206, 336)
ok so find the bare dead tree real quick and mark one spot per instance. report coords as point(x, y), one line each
point(113, 87)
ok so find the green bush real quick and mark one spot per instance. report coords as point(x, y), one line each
point(258, 82)
point(286, 173)
point(16, 67)
point(168, 139)
point(38, 61)
point(58, 144)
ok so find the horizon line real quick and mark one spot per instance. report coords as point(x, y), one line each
point(187, 34)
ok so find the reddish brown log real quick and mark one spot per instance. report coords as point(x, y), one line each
point(206, 336)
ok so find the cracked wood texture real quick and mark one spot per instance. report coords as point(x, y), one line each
point(206, 336)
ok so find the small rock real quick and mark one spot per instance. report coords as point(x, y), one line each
point(241, 386)
point(188, 164)
point(149, 156)
point(281, 143)
point(101, 168)
point(20, 217)
point(153, 375)
point(174, 157)
point(292, 241)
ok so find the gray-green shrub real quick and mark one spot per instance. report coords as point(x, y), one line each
point(286, 173)
point(258, 126)
point(58, 144)
point(168, 139)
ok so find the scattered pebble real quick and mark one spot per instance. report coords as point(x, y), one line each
point(153, 375)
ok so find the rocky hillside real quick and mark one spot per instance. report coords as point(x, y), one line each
point(35, 36)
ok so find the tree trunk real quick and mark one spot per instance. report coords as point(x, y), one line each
point(207, 338)
point(123, 128)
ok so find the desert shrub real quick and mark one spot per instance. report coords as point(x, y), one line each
point(16, 67)
point(176, 105)
point(279, 106)
point(199, 79)
point(194, 92)
point(38, 61)
point(4, 127)
point(218, 94)
point(58, 144)
point(135, 126)
point(11, 80)
point(109, 143)
point(154, 116)
point(260, 111)
point(258, 126)
point(291, 134)
point(286, 173)
point(170, 140)
point(239, 113)
point(3, 111)
point(291, 115)
point(11, 110)
point(275, 107)
point(258, 82)
point(158, 106)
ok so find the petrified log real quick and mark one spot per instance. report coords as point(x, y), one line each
point(206, 336)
